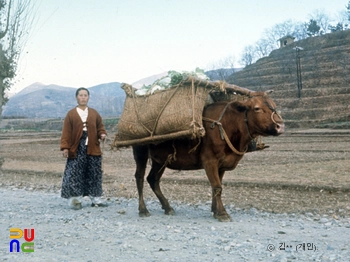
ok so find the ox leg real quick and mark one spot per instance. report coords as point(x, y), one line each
point(217, 207)
point(141, 157)
point(153, 179)
point(215, 192)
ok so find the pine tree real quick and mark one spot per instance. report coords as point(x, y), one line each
point(312, 28)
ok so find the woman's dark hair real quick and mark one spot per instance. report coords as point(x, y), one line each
point(81, 88)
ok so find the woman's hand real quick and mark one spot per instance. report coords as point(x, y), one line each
point(65, 153)
point(103, 136)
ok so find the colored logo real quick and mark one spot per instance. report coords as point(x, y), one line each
point(16, 234)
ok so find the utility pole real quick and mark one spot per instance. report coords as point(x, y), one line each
point(297, 59)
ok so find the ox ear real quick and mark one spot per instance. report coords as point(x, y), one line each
point(242, 108)
point(239, 106)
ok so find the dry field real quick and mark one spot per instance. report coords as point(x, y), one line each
point(302, 171)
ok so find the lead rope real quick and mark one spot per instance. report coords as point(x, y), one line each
point(223, 133)
point(224, 136)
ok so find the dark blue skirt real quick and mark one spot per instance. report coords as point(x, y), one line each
point(83, 174)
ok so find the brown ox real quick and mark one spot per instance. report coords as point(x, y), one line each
point(229, 126)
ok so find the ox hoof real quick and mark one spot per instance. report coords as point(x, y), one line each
point(144, 214)
point(223, 218)
point(169, 212)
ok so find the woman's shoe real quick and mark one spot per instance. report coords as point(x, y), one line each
point(98, 202)
point(75, 203)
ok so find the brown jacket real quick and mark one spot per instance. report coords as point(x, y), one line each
point(73, 129)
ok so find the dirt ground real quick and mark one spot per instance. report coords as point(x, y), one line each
point(302, 171)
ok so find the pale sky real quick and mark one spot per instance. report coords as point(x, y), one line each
point(89, 42)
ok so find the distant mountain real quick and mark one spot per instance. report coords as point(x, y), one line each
point(148, 80)
point(53, 101)
point(108, 99)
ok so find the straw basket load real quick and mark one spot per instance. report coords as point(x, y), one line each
point(175, 112)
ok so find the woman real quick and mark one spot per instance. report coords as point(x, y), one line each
point(82, 129)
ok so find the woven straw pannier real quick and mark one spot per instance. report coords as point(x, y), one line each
point(167, 114)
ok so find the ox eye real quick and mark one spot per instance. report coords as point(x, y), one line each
point(257, 109)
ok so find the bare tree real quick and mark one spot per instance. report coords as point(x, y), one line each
point(278, 31)
point(343, 18)
point(300, 31)
point(229, 61)
point(322, 19)
point(16, 18)
point(248, 56)
point(223, 68)
point(269, 42)
point(263, 47)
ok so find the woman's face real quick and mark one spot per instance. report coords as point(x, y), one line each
point(83, 98)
